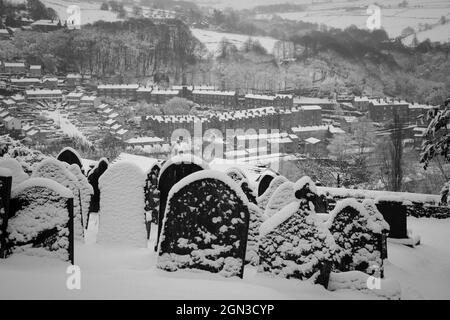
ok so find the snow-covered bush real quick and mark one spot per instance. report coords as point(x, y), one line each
point(70, 156)
point(282, 196)
point(58, 171)
point(205, 225)
point(93, 177)
point(293, 244)
point(86, 192)
point(122, 202)
point(40, 225)
point(357, 231)
point(256, 219)
point(248, 191)
point(265, 197)
point(27, 157)
point(18, 175)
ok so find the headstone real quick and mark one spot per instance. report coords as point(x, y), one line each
point(394, 212)
point(173, 171)
point(70, 156)
point(5, 196)
point(293, 244)
point(86, 192)
point(93, 178)
point(264, 181)
point(280, 198)
point(263, 200)
point(248, 191)
point(205, 226)
point(152, 198)
point(41, 222)
point(122, 206)
point(256, 219)
point(58, 171)
point(356, 232)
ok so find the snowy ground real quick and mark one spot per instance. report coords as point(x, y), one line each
point(211, 39)
point(123, 273)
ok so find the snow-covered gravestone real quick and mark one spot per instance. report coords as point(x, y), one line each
point(173, 171)
point(281, 197)
point(263, 200)
point(86, 191)
point(394, 212)
point(122, 202)
point(70, 156)
point(5, 196)
point(93, 178)
point(42, 220)
point(256, 219)
point(357, 233)
point(58, 171)
point(264, 181)
point(248, 191)
point(293, 244)
point(205, 225)
point(18, 175)
point(151, 197)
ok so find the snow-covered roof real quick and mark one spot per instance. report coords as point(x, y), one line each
point(143, 140)
point(312, 140)
point(309, 108)
point(118, 86)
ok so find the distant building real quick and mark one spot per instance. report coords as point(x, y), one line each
point(12, 123)
point(276, 101)
point(25, 82)
point(44, 94)
point(212, 97)
point(4, 34)
point(73, 79)
point(14, 68)
point(36, 70)
point(73, 98)
point(159, 96)
point(382, 110)
point(90, 101)
point(118, 90)
point(46, 25)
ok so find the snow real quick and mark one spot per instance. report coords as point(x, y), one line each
point(44, 183)
point(211, 39)
point(5, 172)
point(184, 158)
point(122, 202)
point(72, 150)
point(256, 219)
point(265, 197)
point(41, 208)
point(145, 163)
point(86, 191)
point(281, 216)
point(372, 194)
point(282, 196)
point(302, 182)
point(130, 273)
point(357, 280)
point(14, 166)
point(59, 172)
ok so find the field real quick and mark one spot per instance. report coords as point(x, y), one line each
point(393, 18)
point(211, 39)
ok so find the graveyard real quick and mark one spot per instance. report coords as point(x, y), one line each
point(139, 228)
